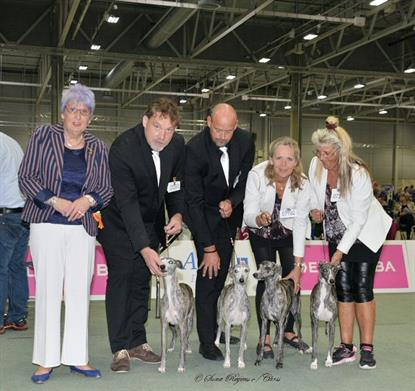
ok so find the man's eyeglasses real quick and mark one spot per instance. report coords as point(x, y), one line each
point(74, 110)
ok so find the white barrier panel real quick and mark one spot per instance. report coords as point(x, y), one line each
point(394, 271)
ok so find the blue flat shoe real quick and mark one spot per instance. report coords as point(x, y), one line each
point(43, 378)
point(86, 372)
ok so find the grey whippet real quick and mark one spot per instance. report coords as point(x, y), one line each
point(276, 303)
point(177, 309)
point(323, 307)
point(234, 310)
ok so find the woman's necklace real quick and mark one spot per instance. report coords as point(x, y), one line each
point(75, 144)
point(280, 187)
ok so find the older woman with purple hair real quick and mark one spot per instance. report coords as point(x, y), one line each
point(65, 177)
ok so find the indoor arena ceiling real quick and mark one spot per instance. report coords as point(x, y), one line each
point(205, 51)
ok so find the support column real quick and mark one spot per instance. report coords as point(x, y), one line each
point(296, 103)
point(57, 87)
point(56, 62)
point(395, 154)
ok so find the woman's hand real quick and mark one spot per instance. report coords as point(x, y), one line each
point(263, 219)
point(295, 275)
point(78, 209)
point(336, 258)
point(317, 215)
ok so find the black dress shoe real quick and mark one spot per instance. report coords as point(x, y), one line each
point(233, 340)
point(211, 352)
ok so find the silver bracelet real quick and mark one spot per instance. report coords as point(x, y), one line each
point(52, 201)
point(90, 199)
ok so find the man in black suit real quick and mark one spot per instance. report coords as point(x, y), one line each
point(216, 168)
point(146, 171)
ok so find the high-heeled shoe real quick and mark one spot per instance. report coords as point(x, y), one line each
point(43, 378)
point(86, 372)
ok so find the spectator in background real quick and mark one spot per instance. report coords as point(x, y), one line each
point(14, 236)
point(404, 214)
point(65, 177)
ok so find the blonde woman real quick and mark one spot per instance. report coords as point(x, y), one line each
point(356, 226)
point(276, 208)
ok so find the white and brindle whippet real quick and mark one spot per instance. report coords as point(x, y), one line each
point(323, 307)
point(177, 309)
point(234, 310)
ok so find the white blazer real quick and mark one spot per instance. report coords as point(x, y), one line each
point(359, 210)
point(260, 197)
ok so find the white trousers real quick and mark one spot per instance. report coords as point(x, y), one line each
point(63, 259)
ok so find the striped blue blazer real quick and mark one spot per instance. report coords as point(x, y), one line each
point(40, 174)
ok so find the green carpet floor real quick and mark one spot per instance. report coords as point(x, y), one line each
point(395, 354)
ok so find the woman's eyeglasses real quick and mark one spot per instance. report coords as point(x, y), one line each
point(324, 154)
point(74, 110)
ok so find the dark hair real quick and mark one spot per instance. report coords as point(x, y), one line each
point(166, 107)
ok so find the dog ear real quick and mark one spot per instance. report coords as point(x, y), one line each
point(179, 264)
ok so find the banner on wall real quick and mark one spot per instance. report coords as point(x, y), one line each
point(393, 274)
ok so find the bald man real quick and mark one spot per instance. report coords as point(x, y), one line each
point(217, 163)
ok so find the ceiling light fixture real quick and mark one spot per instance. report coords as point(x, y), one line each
point(95, 47)
point(83, 67)
point(73, 81)
point(264, 60)
point(350, 118)
point(280, 67)
point(112, 19)
point(183, 100)
point(358, 85)
point(230, 77)
point(262, 114)
point(375, 3)
point(383, 111)
point(310, 36)
point(287, 107)
point(322, 96)
point(410, 69)
point(205, 89)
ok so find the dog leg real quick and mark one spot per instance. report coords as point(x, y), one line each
point(279, 351)
point(183, 333)
point(329, 359)
point(164, 326)
point(219, 331)
point(242, 346)
point(189, 329)
point(227, 363)
point(263, 334)
point(314, 330)
point(173, 338)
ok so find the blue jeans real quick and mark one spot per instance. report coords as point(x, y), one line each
point(13, 275)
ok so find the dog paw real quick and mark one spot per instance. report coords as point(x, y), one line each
point(241, 364)
point(257, 363)
point(180, 370)
point(314, 365)
point(309, 350)
point(217, 343)
point(170, 349)
point(328, 363)
point(188, 351)
point(162, 370)
point(279, 365)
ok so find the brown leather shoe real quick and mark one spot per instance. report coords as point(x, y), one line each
point(121, 361)
point(19, 325)
point(145, 354)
